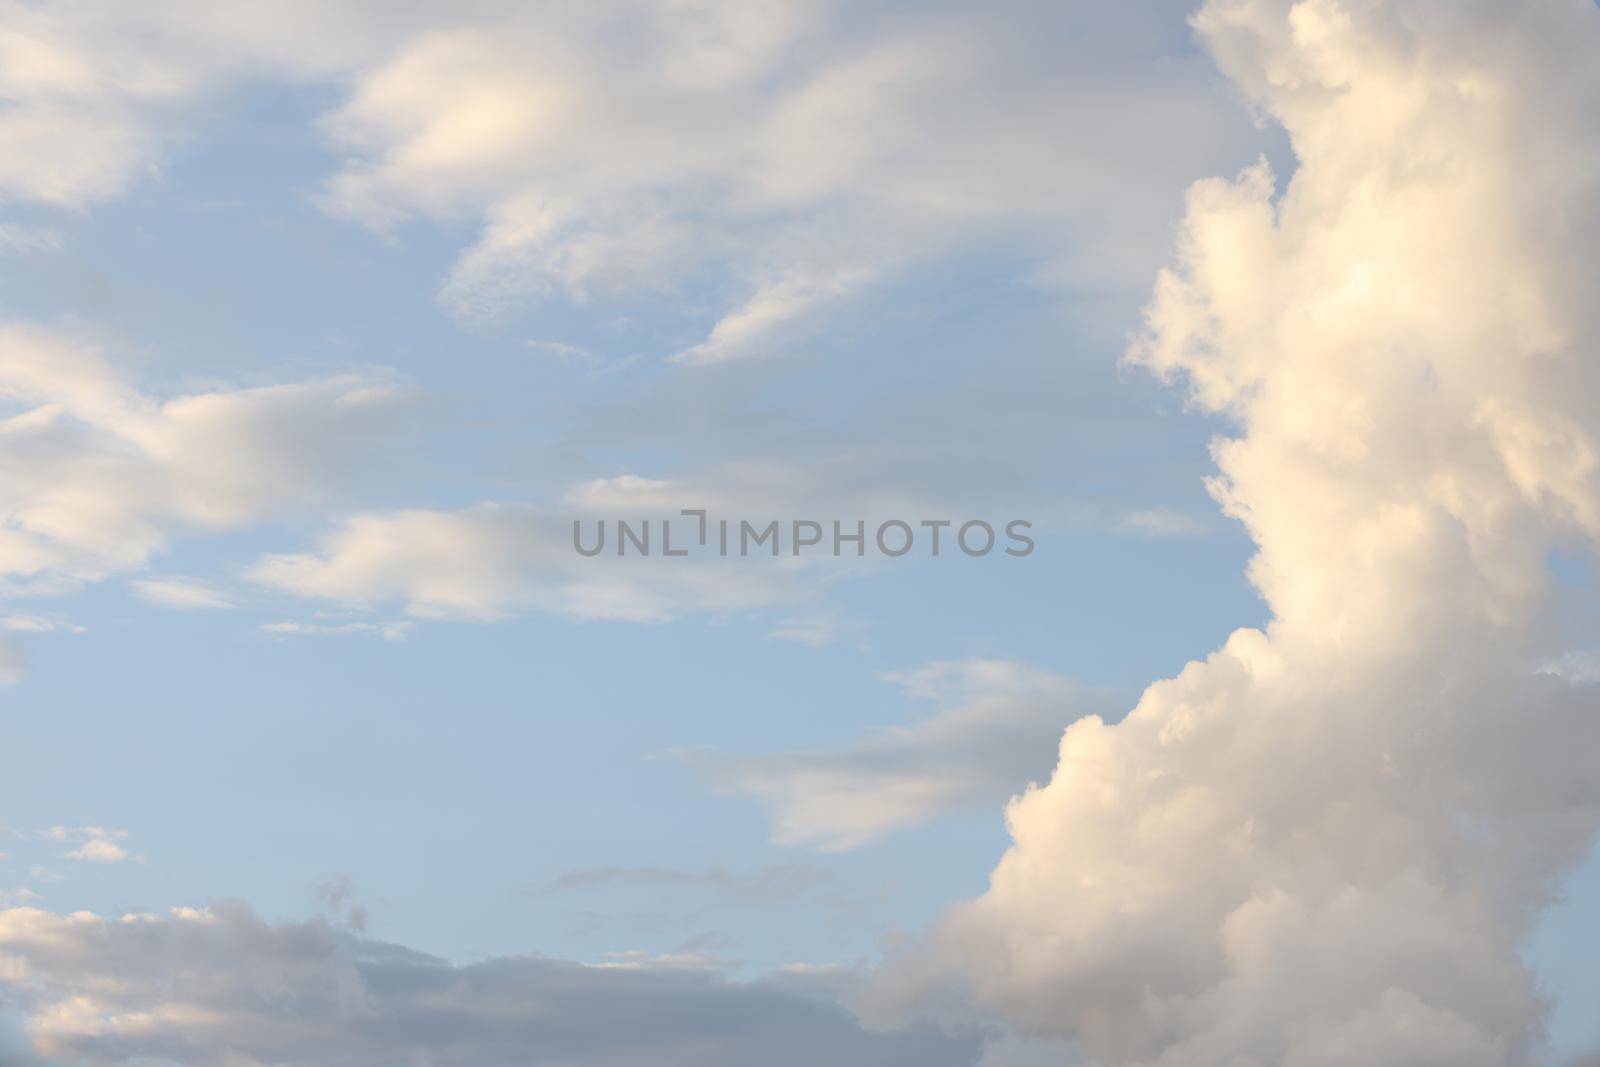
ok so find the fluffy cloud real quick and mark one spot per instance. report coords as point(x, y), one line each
point(1325, 843)
point(222, 986)
point(995, 731)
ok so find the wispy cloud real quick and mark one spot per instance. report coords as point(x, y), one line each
point(392, 630)
point(182, 594)
point(767, 885)
point(994, 731)
point(1163, 522)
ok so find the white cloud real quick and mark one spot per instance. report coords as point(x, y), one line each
point(183, 594)
point(95, 94)
point(98, 844)
point(821, 151)
point(97, 475)
point(795, 158)
point(99, 850)
point(782, 162)
point(96, 472)
point(994, 732)
point(1326, 842)
point(494, 560)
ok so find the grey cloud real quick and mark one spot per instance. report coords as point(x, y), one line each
point(224, 987)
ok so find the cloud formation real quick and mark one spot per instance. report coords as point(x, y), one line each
point(222, 986)
point(797, 152)
point(1325, 843)
point(771, 164)
point(793, 152)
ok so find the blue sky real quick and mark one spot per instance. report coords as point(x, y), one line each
point(315, 352)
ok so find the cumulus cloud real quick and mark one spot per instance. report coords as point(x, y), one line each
point(220, 985)
point(1325, 843)
point(994, 731)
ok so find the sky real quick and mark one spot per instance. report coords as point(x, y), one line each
point(323, 326)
